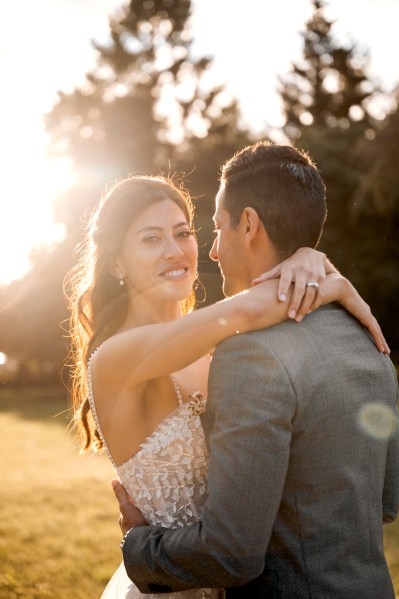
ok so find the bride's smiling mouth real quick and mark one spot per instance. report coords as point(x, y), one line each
point(175, 273)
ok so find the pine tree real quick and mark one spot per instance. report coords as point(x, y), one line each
point(378, 191)
point(146, 102)
point(329, 88)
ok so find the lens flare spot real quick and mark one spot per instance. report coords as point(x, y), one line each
point(223, 322)
point(378, 421)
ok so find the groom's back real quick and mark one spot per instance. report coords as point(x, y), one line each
point(327, 539)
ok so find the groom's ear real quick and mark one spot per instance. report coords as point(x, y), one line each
point(251, 224)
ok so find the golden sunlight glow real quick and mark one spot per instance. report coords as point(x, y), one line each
point(26, 215)
point(29, 182)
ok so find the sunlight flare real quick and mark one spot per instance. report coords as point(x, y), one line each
point(27, 212)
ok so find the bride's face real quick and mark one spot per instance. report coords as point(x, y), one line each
point(159, 253)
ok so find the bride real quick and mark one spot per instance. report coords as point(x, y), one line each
point(141, 355)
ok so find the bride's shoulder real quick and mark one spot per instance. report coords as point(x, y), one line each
point(113, 350)
point(112, 364)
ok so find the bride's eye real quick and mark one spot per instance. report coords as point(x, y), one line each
point(185, 233)
point(151, 239)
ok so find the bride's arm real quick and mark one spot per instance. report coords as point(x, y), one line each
point(338, 289)
point(154, 350)
point(303, 266)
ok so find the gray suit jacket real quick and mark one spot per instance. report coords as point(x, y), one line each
point(304, 467)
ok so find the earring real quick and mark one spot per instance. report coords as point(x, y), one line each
point(121, 280)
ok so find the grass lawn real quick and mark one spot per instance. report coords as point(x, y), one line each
point(59, 534)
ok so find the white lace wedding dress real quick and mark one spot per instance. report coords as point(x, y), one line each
point(166, 479)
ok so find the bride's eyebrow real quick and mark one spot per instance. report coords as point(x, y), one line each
point(156, 228)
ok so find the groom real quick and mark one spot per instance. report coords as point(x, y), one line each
point(301, 424)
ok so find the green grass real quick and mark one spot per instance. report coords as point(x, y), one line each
point(59, 534)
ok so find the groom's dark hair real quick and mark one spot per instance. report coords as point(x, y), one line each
point(285, 188)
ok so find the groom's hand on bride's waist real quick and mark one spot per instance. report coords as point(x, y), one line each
point(130, 515)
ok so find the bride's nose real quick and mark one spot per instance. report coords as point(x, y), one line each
point(172, 250)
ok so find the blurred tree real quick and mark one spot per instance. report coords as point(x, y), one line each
point(32, 310)
point(329, 87)
point(374, 220)
point(148, 106)
point(328, 102)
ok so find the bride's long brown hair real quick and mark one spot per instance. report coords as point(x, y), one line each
point(98, 304)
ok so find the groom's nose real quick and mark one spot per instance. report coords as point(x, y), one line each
point(213, 254)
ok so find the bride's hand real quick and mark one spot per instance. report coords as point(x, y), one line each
point(337, 288)
point(304, 267)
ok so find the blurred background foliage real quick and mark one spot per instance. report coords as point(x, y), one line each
point(147, 108)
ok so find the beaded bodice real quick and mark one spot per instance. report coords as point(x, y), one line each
point(166, 478)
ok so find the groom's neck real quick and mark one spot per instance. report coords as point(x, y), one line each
point(263, 258)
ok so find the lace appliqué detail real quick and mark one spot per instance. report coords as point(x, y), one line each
point(167, 477)
point(197, 405)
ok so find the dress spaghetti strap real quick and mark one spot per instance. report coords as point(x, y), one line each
point(94, 412)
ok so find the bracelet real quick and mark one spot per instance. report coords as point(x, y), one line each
point(125, 537)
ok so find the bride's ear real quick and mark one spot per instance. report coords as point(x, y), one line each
point(116, 268)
